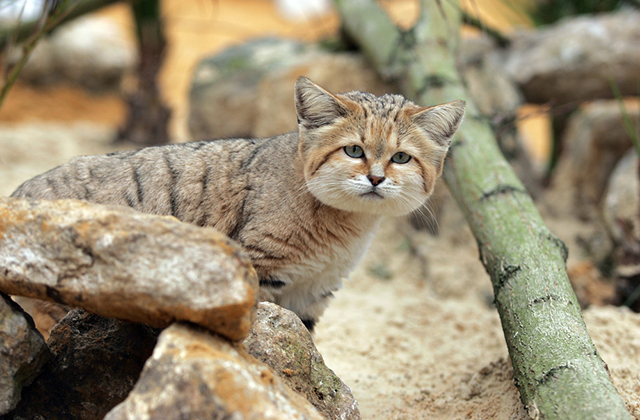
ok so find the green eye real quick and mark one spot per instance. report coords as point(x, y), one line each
point(354, 151)
point(400, 157)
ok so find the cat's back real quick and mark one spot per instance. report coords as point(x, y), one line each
point(174, 179)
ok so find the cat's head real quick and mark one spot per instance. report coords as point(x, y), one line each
point(363, 153)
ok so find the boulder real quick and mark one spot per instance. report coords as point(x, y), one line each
point(276, 113)
point(498, 98)
point(279, 339)
point(195, 374)
point(590, 286)
point(577, 58)
point(492, 90)
point(594, 141)
point(90, 51)
point(621, 214)
point(23, 352)
point(222, 98)
point(247, 90)
point(96, 362)
point(119, 263)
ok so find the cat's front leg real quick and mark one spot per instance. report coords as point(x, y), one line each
point(270, 288)
point(310, 307)
point(312, 313)
point(305, 302)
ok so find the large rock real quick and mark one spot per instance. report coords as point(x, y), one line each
point(577, 58)
point(595, 140)
point(247, 90)
point(492, 90)
point(276, 113)
point(96, 362)
point(279, 339)
point(118, 263)
point(194, 374)
point(222, 98)
point(90, 51)
point(23, 352)
point(498, 98)
point(621, 213)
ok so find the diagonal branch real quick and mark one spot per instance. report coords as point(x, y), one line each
point(30, 33)
point(557, 369)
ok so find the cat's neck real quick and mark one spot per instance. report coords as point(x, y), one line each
point(339, 224)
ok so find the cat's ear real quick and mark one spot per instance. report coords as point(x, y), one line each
point(440, 122)
point(315, 106)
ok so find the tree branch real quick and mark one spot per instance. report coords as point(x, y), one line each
point(31, 32)
point(557, 369)
point(71, 11)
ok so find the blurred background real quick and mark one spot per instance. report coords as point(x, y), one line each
point(193, 31)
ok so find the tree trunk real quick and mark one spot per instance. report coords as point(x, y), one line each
point(148, 117)
point(557, 368)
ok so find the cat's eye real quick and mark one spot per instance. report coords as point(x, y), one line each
point(400, 157)
point(354, 151)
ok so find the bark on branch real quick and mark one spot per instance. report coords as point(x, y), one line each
point(557, 368)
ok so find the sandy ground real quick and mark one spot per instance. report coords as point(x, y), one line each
point(413, 333)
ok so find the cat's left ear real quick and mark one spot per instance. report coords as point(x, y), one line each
point(440, 122)
point(315, 106)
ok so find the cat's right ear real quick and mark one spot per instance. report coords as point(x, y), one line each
point(440, 121)
point(315, 106)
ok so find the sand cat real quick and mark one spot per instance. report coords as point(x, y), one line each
point(303, 205)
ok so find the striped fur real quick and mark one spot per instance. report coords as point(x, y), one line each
point(304, 210)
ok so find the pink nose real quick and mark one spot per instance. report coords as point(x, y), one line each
point(375, 180)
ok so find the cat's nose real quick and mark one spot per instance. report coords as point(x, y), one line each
point(375, 180)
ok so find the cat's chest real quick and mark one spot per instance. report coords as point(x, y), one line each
point(321, 273)
point(336, 262)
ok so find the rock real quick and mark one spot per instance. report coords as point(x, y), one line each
point(90, 51)
point(96, 362)
point(247, 90)
point(621, 214)
point(23, 352)
point(577, 58)
point(590, 286)
point(498, 98)
point(194, 374)
point(595, 140)
point(222, 98)
point(276, 113)
point(279, 339)
point(492, 90)
point(118, 263)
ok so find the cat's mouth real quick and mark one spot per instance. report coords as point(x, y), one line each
point(372, 195)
